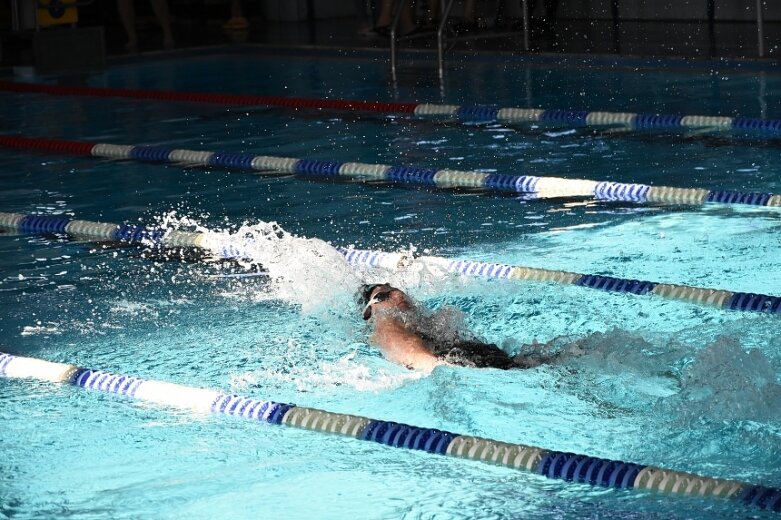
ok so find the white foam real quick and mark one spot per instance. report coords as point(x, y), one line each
point(345, 372)
point(303, 271)
point(132, 308)
point(40, 329)
point(727, 382)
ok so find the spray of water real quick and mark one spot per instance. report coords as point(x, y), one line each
point(301, 271)
point(328, 376)
point(725, 382)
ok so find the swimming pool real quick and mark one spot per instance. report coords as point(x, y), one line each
point(664, 383)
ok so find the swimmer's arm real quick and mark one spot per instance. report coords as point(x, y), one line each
point(406, 348)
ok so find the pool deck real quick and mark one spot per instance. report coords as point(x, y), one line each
point(680, 45)
point(647, 39)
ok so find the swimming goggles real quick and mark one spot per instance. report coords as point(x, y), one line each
point(378, 298)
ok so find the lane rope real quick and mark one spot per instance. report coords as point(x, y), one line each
point(467, 113)
point(571, 467)
point(240, 247)
point(540, 187)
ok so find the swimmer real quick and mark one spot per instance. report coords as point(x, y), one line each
point(398, 334)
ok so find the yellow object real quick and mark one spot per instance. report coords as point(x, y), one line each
point(237, 23)
point(501, 453)
point(320, 420)
point(459, 179)
point(543, 275)
point(686, 483)
point(57, 12)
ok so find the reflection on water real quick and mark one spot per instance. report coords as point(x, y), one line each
point(654, 381)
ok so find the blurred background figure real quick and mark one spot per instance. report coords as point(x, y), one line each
point(408, 21)
point(237, 21)
point(365, 10)
point(385, 19)
point(127, 14)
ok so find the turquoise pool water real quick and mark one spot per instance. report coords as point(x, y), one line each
point(661, 383)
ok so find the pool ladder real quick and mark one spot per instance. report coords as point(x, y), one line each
point(447, 7)
point(443, 38)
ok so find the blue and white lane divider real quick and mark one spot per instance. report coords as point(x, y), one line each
point(467, 113)
point(567, 466)
point(543, 187)
point(585, 118)
point(540, 187)
point(723, 299)
point(226, 246)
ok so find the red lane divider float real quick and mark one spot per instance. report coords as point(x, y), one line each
point(205, 97)
point(49, 145)
point(770, 128)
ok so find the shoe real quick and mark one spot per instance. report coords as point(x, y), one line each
point(382, 31)
point(237, 23)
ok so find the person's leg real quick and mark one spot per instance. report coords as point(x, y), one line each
point(386, 13)
point(127, 15)
point(470, 10)
point(406, 22)
point(160, 8)
point(364, 19)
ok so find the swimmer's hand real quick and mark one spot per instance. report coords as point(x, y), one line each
point(427, 364)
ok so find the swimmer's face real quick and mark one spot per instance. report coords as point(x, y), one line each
point(386, 297)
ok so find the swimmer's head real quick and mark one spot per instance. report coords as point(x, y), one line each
point(364, 293)
point(381, 294)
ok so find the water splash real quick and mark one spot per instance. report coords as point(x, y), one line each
point(302, 271)
point(724, 382)
point(344, 372)
point(305, 271)
point(39, 328)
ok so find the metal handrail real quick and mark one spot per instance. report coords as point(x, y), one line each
point(760, 29)
point(446, 11)
point(440, 34)
point(394, 25)
point(441, 38)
